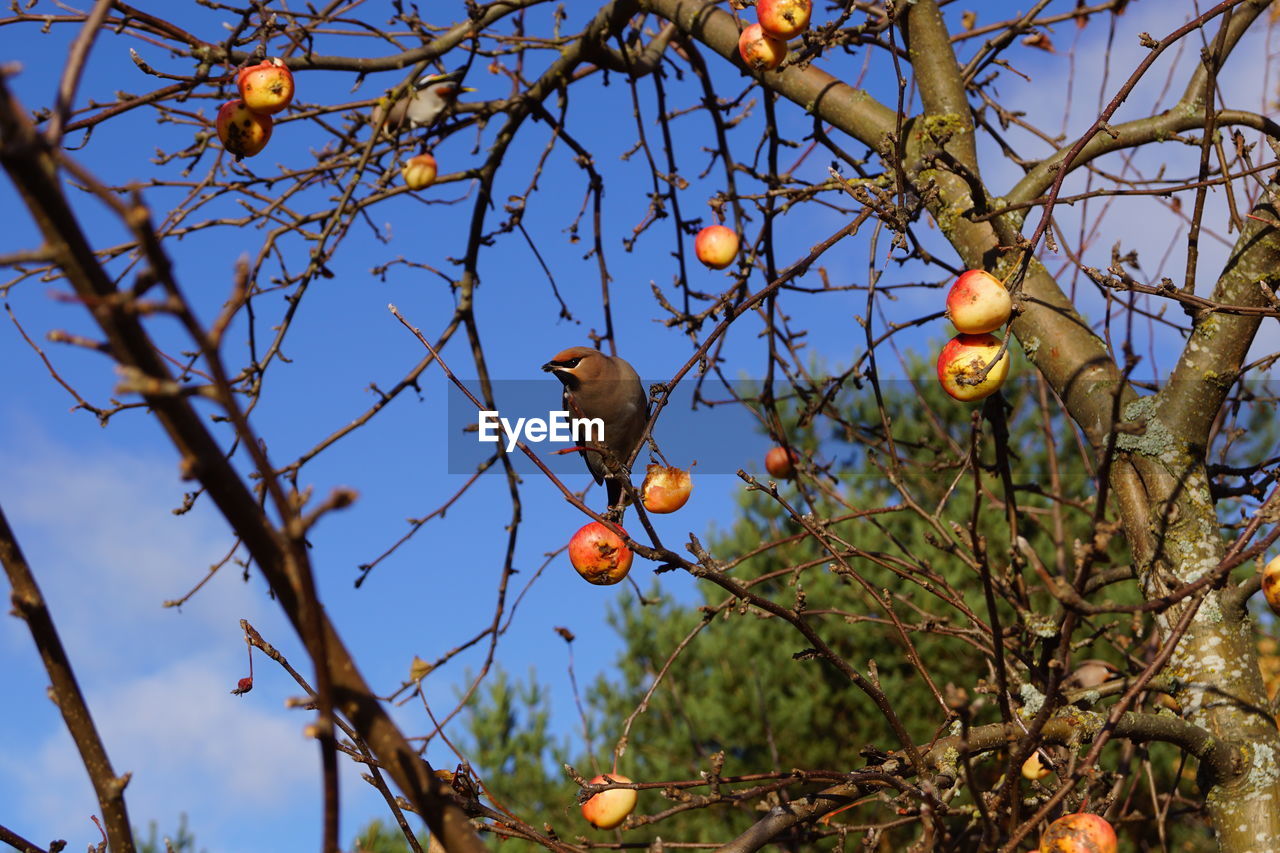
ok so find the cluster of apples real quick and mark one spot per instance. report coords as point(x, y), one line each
point(977, 305)
point(763, 45)
point(244, 124)
point(602, 556)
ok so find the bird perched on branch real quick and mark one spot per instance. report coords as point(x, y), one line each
point(428, 99)
point(605, 387)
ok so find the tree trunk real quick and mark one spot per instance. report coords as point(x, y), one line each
point(1172, 528)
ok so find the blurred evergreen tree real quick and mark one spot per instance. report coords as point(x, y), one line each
point(181, 841)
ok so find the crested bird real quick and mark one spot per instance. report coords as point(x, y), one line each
point(605, 387)
point(428, 99)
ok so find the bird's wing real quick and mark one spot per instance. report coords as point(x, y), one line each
point(595, 464)
point(635, 419)
point(420, 108)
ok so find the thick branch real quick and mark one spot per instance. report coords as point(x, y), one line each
point(851, 110)
point(29, 604)
point(1211, 360)
point(1131, 134)
point(939, 76)
point(1187, 114)
point(1217, 756)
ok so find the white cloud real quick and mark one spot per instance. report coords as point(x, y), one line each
point(96, 525)
point(192, 747)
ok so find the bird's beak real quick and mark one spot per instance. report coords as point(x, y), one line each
point(454, 76)
point(549, 367)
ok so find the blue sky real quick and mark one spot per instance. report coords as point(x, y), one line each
point(92, 506)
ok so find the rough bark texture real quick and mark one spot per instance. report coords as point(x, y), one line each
point(1216, 661)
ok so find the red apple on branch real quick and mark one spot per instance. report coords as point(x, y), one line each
point(716, 246)
point(759, 50)
point(781, 463)
point(599, 554)
point(266, 88)
point(784, 19)
point(1079, 833)
point(978, 303)
point(665, 489)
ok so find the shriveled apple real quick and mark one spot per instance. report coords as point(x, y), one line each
point(599, 554)
point(242, 131)
point(419, 171)
point(665, 489)
point(1034, 768)
point(1271, 584)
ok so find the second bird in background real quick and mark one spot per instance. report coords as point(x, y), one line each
point(605, 387)
point(430, 96)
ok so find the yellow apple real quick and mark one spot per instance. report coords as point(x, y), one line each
point(608, 809)
point(964, 358)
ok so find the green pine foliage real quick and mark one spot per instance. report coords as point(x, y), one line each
point(509, 737)
point(181, 841)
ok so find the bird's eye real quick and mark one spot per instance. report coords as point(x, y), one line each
point(572, 363)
